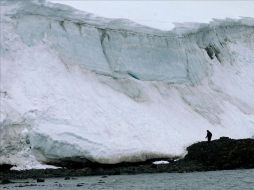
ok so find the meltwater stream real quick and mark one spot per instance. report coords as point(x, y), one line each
point(216, 180)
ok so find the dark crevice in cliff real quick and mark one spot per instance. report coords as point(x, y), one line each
point(79, 25)
point(104, 36)
point(61, 23)
point(133, 75)
point(187, 67)
point(212, 51)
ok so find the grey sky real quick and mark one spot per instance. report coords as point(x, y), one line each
point(162, 14)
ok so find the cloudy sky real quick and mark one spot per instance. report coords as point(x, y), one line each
point(162, 14)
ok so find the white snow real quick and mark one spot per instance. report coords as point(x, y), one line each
point(76, 85)
point(160, 162)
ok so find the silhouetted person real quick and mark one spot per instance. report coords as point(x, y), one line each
point(209, 136)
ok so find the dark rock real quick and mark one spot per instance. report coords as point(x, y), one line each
point(104, 176)
point(6, 181)
point(71, 162)
point(224, 138)
point(40, 180)
point(116, 173)
point(67, 178)
point(80, 184)
point(5, 167)
point(224, 153)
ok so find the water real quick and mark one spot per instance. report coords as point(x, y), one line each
point(218, 180)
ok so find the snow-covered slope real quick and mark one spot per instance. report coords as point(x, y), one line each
point(75, 86)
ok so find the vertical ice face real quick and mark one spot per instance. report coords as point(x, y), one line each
point(145, 56)
point(171, 58)
point(76, 86)
point(106, 48)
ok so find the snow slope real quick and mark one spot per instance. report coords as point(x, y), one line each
point(75, 86)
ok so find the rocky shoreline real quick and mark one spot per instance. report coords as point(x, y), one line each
point(221, 154)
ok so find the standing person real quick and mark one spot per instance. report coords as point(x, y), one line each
point(209, 136)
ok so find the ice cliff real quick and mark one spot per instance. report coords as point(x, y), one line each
point(79, 87)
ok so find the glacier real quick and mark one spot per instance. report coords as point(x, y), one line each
point(78, 87)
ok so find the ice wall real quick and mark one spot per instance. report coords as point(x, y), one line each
point(75, 86)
